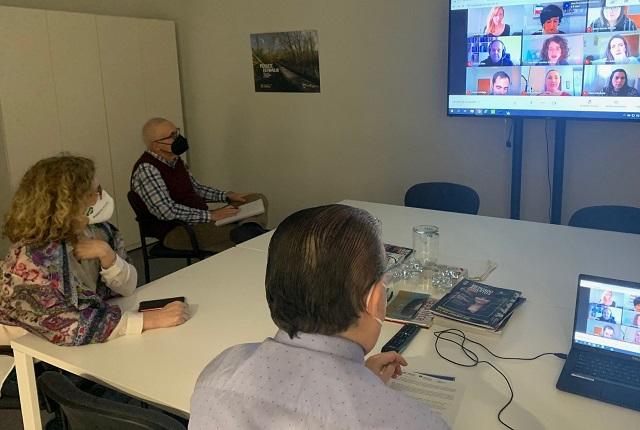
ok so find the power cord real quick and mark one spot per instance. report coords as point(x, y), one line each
point(458, 337)
point(508, 129)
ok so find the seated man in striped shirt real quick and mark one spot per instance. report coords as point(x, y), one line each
point(163, 182)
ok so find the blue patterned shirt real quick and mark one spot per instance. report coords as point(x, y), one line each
point(309, 382)
point(147, 182)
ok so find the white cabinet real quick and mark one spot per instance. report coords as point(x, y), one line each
point(75, 62)
point(30, 123)
point(85, 84)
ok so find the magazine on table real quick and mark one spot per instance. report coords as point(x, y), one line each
point(463, 325)
point(478, 304)
point(396, 255)
point(410, 307)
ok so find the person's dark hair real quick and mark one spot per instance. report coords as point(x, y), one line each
point(564, 46)
point(636, 301)
point(626, 46)
point(624, 90)
point(550, 11)
point(623, 12)
point(499, 75)
point(321, 265)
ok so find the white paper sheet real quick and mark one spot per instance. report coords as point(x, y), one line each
point(442, 396)
point(247, 210)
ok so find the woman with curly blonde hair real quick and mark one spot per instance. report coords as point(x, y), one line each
point(66, 260)
point(49, 204)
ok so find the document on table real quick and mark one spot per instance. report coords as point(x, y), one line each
point(442, 394)
point(255, 207)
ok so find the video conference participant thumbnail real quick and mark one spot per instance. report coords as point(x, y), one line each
point(555, 18)
point(489, 51)
point(556, 50)
point(630, 318)
point(632, 335)
point(606, 330)
point(495, 21)
point(611, 18)
point(611, 48)
point(552, 80)
point(498, 81)
point(612, 80)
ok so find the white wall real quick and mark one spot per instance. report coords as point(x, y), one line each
point(161, 9)
point(379, 124)
point(5, 194)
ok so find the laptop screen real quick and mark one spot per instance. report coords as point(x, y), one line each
point(608, 315)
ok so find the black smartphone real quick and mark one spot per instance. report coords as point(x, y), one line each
point(151, 305)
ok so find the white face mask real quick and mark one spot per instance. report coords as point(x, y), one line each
point(378, 320)
point(102, 211)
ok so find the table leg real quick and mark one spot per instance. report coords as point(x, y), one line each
point(28, 391)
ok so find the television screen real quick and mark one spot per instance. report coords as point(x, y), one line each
point(523, 58)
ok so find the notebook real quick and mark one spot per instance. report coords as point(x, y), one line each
point(604, 361)
point(246, 210)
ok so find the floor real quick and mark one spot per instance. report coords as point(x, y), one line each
point(10, 419)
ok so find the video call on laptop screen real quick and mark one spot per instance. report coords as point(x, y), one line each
point(582, 62)
point(608, 316)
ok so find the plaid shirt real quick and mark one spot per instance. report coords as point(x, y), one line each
point(149, 185)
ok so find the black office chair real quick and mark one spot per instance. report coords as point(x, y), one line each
point(625, 219)
point(443, 196)
point(76, 409)
point(157, 229)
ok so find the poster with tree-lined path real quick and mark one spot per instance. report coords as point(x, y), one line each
point(286, 62)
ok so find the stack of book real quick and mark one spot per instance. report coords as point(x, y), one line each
point(479, 305)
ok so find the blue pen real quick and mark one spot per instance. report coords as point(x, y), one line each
point(443, 377)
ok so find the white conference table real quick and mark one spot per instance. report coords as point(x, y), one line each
point(227, 294)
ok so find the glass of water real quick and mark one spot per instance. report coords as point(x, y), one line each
point(425, 245)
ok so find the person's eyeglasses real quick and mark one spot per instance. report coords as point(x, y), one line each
point(172, 136)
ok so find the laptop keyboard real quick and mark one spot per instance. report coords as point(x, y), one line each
point(604, 368)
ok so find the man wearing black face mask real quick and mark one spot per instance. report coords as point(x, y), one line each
point(168, 190)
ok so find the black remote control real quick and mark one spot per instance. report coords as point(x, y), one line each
point(401, 340)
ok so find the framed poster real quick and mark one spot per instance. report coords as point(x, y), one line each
point(286, 62)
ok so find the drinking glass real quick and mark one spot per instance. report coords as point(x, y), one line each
point(425, 244)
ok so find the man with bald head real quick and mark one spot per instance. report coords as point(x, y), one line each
point(168, 190)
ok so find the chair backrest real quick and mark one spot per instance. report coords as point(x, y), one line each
point(150, 226)
point(625, 219)
point(81, 410)
point(443, 196)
